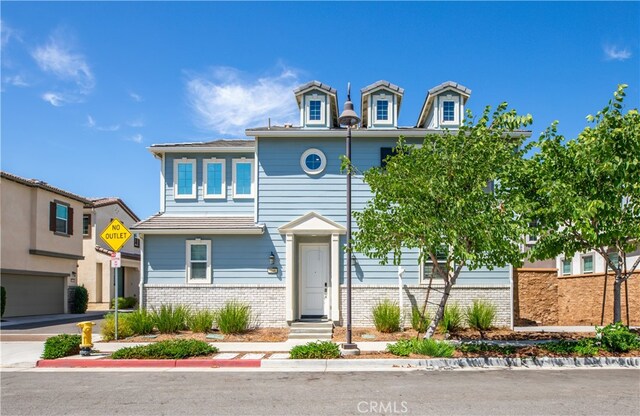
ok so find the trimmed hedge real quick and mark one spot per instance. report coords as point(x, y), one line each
point(172, 349)
point(124, 303)
point(315, 350)
point(80, 299)
point(62, 345)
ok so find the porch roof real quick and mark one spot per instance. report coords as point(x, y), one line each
point(198, 224)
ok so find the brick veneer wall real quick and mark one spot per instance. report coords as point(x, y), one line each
point(365, 297)
point(267, 301)
point(543, 298)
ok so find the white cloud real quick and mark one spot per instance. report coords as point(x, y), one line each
point(90, 122)
point(135, 97)
point(113, 127)
point(136, 138)
point(57, 58)
point(136, 123)
point(54, 98)
point(615, 53)
point(16, 81)
point(6, 33)
point(225, 103)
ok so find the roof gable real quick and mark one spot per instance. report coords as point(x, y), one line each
point(437, 90)
point(312, 223)
point(377, 86)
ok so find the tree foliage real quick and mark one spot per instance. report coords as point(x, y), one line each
point(438, 196)
point(584, 194)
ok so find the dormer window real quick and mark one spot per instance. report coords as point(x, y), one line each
point(315, 110)
point(448, 112)
point(382, 110)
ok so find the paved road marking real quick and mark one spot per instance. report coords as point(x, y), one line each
point(226, 355)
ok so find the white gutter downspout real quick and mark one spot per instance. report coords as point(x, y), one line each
point(141, 304)
point(400, 276)
point(162, 183)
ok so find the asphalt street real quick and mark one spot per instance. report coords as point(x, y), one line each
point(212, 392)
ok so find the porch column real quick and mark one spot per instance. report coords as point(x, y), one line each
point(335, 277)
point(288, 279)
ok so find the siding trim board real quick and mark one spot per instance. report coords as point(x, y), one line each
point(55, 254)
point(32, 273)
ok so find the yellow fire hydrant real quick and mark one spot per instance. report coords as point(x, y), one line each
point(86, 344)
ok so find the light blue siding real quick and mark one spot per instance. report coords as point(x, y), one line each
point(234, 259)
point(198, 205)
point(286, 192)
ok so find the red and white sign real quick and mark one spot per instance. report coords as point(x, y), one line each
point(115, 260)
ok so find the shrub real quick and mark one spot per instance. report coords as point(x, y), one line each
point(171, 349)
point(482, 347)
point(3, 300)
point(317, 349)
point(428, 347)
point(480, 315)
point(386, 316)
point(80, 299)
point(584, 347)
point(124, 303)
point(169, 319)
point(617, 338)
point(140, 321)
point(62, 345)
point(451, 319)
point(109, 327)
point(419, 322)
point(233, 318)
point(201, 321)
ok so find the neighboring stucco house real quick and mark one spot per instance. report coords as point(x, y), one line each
point(95, 272)
point(262, 220)
point(41, 243)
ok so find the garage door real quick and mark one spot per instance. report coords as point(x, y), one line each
point(33, 295)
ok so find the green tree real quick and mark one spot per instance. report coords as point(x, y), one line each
point(584, 194)
point(438, 196)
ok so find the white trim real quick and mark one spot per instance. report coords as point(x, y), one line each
point(312, 223)
point(358, 133)
point(251, 175)
point(561, 268)
point(205, 174)
point(421, 279)
point(593, 263)
point(456, 110)
point(326, 302)
point(143, 276)
point(289, 277)
point(303, 161)
point(529, 241)
point(200, 149)
point(163, 185)
point(390, 109)
point(323, 109)
point(194, 174)
point(187, 267)
point(257, 182)
point(335, 277)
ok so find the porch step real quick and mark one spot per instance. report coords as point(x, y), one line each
point(311, 329)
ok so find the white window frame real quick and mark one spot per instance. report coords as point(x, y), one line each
point(593, 263)
point(427, 259)
point(194, 176)
point(253, 185)
point(323, 161)
point(562, 260)
point(614, 262)
point(456, 110)
point(205, 178)
point(187, 266)
point(390, 111)
point(323, 109)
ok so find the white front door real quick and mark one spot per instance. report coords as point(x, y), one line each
point(314, 279)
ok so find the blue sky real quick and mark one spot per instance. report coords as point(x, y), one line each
point(86, 87)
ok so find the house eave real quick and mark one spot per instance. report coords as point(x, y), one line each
point(201, 231)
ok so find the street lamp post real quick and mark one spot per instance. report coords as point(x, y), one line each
point(349, 118)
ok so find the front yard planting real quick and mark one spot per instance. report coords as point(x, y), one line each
point(316, 350)
point(170, 349)
point(62, 345)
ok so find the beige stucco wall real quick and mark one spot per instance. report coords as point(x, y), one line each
point(24, 215)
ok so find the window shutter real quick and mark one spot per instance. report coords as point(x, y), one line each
point(52, 216)
point(70, 221)
point(384, 153)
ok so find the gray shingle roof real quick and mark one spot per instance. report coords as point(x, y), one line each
point(317, 84)
point(452, 84)
point(171, 222)
point(214, 143)
point(101, 202)
point(382, 83)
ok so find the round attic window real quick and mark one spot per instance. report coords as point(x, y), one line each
point(313, 161)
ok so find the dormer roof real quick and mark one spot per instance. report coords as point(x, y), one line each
point(332, 93)
point(433, 92)
point(377, 86)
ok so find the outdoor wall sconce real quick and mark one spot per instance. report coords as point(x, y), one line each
point(272, 258)
point(272, 261)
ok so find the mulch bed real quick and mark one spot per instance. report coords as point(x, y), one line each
point(253, 335)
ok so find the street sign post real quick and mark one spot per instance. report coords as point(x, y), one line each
point(115, 235)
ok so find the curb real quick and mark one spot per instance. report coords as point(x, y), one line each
point(109, 363)
point(355, 364)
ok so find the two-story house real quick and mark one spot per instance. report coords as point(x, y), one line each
point(41, 244)
point(262, 220)
point(95, 271)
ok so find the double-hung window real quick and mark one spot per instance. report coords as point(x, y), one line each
point(315, 110)
point(243, 178)
point(60, 218)
point(382, 110)
point(214, 183)
point(566, 267)
point(587, 263)
point(198, 267)
point(184, 178)
point(448, 111)
point(429, 270)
